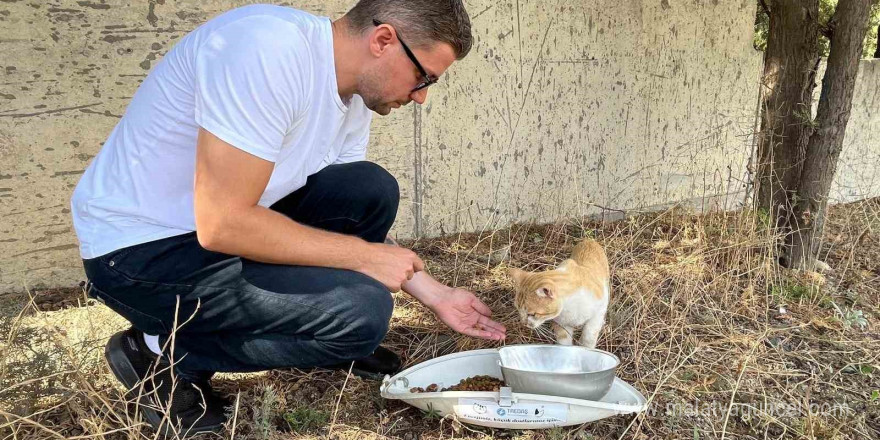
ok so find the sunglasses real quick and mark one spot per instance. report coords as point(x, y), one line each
point(427, 80)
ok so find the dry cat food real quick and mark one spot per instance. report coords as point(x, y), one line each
point(476, 383)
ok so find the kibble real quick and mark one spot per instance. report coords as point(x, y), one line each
point(476, 383)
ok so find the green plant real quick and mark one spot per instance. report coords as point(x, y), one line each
point(789, 292)
point(431, 413)
point(875, 395)
point(764, 218)
point(302, 419)
point(863, 369)
point(265, 413)
point(852, 317)
point(556, 433)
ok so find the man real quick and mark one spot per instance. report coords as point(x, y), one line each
point(231, 217)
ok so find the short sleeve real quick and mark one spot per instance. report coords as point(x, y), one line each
point(251, 81)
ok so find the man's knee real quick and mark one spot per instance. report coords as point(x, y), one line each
point(377, 186)
point(370, 319)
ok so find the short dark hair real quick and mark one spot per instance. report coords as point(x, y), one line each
point(421, 22)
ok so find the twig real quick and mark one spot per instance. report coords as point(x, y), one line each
point(338, 400)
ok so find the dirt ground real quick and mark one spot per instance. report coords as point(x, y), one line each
point(723, 342)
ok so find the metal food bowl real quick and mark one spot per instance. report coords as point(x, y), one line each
point(558, 370)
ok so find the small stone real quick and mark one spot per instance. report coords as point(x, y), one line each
point(822, 266)
point(499, 255)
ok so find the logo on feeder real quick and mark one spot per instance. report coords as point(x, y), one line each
point(502, 412)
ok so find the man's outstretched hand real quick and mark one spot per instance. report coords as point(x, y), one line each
point(464, 313)
point(457, 308)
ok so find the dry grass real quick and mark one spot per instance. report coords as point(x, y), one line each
point(723, 342)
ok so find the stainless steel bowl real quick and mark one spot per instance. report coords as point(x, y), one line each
point(558, 370)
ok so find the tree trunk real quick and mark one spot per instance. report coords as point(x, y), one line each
point(790, 62)
point(849, 26)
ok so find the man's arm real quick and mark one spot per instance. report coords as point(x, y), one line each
point(459, 309)
point(228, 185)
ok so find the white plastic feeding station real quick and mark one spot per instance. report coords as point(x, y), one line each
point(504, 408)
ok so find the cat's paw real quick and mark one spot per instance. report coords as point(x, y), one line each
point(587, 343)
point(565, 341)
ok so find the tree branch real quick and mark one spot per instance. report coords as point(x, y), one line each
point(827, 30)
point(766, 8)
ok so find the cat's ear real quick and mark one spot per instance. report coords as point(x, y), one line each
point(517, 275)
point(544, 292)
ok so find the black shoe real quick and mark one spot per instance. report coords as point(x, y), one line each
point(373, 367)
point(192, 407)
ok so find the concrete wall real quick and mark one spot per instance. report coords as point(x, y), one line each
point(858, 170)
point(562, 107)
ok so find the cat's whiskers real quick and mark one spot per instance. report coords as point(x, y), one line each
point(545, 332)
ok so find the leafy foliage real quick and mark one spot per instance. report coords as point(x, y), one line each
point(304, 419)
point(826, 11)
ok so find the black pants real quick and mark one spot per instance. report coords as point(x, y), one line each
point(238, 315)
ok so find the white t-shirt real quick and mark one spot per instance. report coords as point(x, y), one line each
point(261, 78)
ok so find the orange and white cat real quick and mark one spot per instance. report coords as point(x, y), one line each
point(573, 296)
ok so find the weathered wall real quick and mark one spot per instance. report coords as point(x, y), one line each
point(858, 169)
point(562, 107)
point(618, 104)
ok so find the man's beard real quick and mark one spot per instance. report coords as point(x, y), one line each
point(371, 91)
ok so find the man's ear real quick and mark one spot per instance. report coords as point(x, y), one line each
point(517, 275)
point(381, 37)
